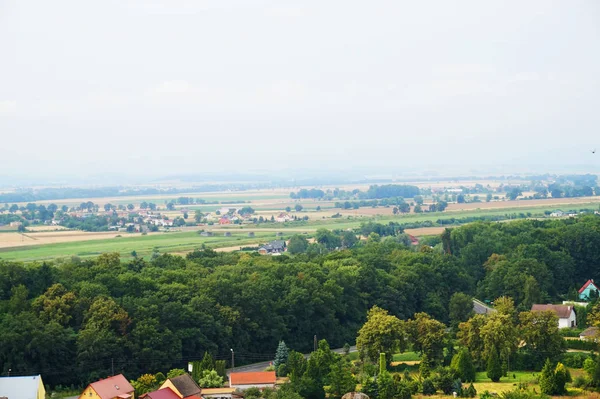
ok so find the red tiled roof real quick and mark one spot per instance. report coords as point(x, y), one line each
point(586, 285)
point(165, 393)
point(259, 377)
point(112, 387)
point(563, 311)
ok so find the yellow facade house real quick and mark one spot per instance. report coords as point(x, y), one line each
point(116, 387)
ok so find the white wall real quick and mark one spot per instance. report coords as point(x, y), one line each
point(566, 323)
point(246, 386)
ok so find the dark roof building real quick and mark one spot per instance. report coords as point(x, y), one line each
point(184, 386)
point(274, 247)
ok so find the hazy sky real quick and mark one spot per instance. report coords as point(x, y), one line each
point(161, 87)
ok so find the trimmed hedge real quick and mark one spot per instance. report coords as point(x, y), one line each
point(581, 345)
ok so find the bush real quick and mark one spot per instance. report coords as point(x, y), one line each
point(548, 379)
point(445, 380)
point(574, 359)
point(471, 391)
point(580, 382)
point(428, 387)
point(463, 366)
point(581, 345)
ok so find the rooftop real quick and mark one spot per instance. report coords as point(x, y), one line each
point(20, 387)
point(563, 311)
point(259, 377)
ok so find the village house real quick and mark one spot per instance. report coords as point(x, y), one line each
point(274, 247)
point(589, 334)
point(28, 387)
point(588, 291)
point(116, 387)
point(557, 213)
point(183, 386)
point(225, 220)
point(219, 393)
point(259, 379)
point(283, 217)
point(566, 314)
point(164, 393)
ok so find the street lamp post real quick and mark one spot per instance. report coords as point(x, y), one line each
point(232, 359)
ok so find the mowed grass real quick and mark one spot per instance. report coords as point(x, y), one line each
point(483, 383)
point(143, 245)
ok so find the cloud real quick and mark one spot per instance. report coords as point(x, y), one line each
point(8, 107)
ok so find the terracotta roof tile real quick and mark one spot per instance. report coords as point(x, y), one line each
point(259, 377)
point(112, 387)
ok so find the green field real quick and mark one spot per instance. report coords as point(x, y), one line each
point(186, 241)
point(143, 245)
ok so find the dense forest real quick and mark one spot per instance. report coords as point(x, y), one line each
point(72, 320)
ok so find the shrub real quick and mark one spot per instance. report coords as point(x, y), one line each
point(471, 391)
point(463, 366)
point(581, 345)
point(560, 379)
point(547, 379)
point(574, 359)
point(428, 387)
point(580, 382)
point(445, 380)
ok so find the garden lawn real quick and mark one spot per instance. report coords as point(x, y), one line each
point(483, 383)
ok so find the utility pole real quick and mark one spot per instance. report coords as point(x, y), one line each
point(315, 343)
point(232, 360)
point(112, 365)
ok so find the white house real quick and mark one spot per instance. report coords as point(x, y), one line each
point(30, 387)
point(566, 314)
point(259, 379)
point(557, 214)
point(283, 217)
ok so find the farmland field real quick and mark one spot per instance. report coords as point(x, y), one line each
point(143, 245)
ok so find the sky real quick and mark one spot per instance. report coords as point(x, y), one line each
point(155, 88)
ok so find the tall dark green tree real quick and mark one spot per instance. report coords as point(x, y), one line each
point(494, 367)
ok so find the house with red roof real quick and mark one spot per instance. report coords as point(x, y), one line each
point(588, 291)
point(566, 314)
point(258, 379)
point(116, 387)
point(165, 393)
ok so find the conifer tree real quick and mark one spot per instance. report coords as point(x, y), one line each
point(494, 367)
point(548, 379)
point(281, 355)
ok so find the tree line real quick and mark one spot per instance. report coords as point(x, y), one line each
point(72, 319)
